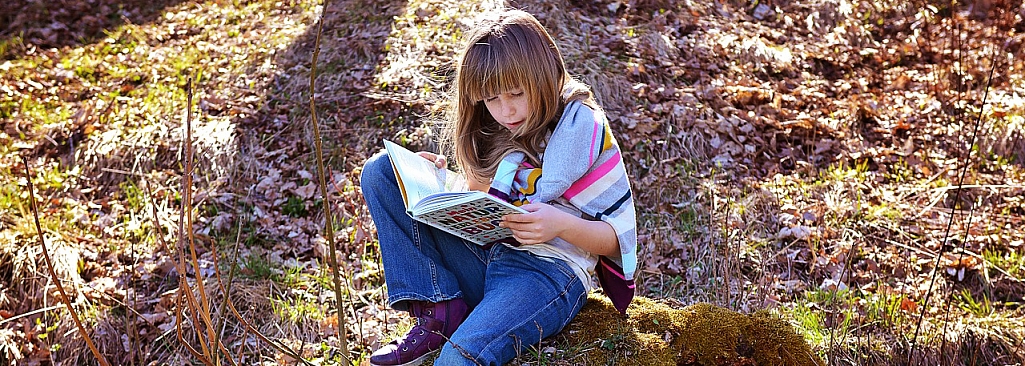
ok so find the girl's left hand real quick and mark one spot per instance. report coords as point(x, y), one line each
point(439, 160)
point(542, 223)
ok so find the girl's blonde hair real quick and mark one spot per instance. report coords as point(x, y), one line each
point(508, 49)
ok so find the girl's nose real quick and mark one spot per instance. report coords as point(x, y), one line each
point(509, 108)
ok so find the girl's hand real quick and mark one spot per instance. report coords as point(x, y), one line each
point(542, 223)
point(438, 159)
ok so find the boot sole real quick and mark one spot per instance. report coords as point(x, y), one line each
point(415, 362)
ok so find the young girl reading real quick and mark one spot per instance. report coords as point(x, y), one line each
point(523, 130)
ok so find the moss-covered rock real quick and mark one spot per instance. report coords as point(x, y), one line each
point(701, 334)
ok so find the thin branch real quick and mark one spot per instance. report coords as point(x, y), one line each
point(328, 226)
point(180, 332)
point(950, 222)
point(231, 274)
point(193, 306)
point(242, 346)
point(31, 313)
point(217, 341)
point(182, 283)
point(53, 274)
point(249, 327)
point(204, 304)
point(133, 335)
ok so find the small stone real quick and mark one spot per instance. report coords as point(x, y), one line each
point(763, 11)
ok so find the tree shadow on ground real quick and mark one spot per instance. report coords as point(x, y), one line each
point(26, 24)
point(351, 116)
point(248, 117)
point(352, 123)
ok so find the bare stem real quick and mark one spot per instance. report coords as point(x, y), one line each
point(328, 226)
point(53, 274)
point(957, 198)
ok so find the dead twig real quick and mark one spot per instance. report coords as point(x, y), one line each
point(31, 313)
point(186, 242)
point(201, 311)
point(231, 279)
point(249, 327)
point(53, 274)
point(178, 327)
point(950, 222)
point(329, 232)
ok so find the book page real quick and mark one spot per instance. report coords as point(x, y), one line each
point(419, 177)
point(472, 215)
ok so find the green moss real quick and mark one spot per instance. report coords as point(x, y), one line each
point(699, 334)
point(776, 343)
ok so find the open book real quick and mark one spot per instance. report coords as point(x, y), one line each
point(439, 197)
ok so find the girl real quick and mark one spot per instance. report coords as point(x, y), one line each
point(516, 113)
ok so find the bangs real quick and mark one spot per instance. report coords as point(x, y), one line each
point(490, 68)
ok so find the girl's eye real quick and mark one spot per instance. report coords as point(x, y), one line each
point(491, 99)
point(516, 94)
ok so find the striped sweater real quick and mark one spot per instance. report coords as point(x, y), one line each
point(582, 164)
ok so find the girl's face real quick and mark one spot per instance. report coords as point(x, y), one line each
point(510, 108)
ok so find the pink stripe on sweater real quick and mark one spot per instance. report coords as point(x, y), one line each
point(588, 180)
point(613, 270)
point(594, 137)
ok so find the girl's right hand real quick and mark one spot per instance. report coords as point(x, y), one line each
point(439, 160)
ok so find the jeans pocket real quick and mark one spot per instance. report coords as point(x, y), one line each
point(556, 268)
point(564, 268)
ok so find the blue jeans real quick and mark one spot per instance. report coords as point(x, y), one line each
point(517, 298)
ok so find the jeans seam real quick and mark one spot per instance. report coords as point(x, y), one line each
point(565, 269)
point(572, 281)
point(475, 251)
point(496, 252)
point(582, 297)
point(434, 271)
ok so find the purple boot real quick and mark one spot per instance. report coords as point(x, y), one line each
point(435, 322)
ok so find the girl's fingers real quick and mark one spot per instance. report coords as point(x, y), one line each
point(439, 160)
point(525, 231)
point(427, 155)
point(520, 218)
point(524, 239)
point(517, 226)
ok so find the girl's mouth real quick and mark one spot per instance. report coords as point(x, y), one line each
point(512, 125)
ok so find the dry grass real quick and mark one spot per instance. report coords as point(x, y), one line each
point(736, 131)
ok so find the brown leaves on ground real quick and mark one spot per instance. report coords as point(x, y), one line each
point(33, 24)
point(777, 150)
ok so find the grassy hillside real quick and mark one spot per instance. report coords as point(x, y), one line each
point(855, 169)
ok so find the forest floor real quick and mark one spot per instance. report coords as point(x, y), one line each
point(857, 168)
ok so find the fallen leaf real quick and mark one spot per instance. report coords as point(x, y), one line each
point(908, 305)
